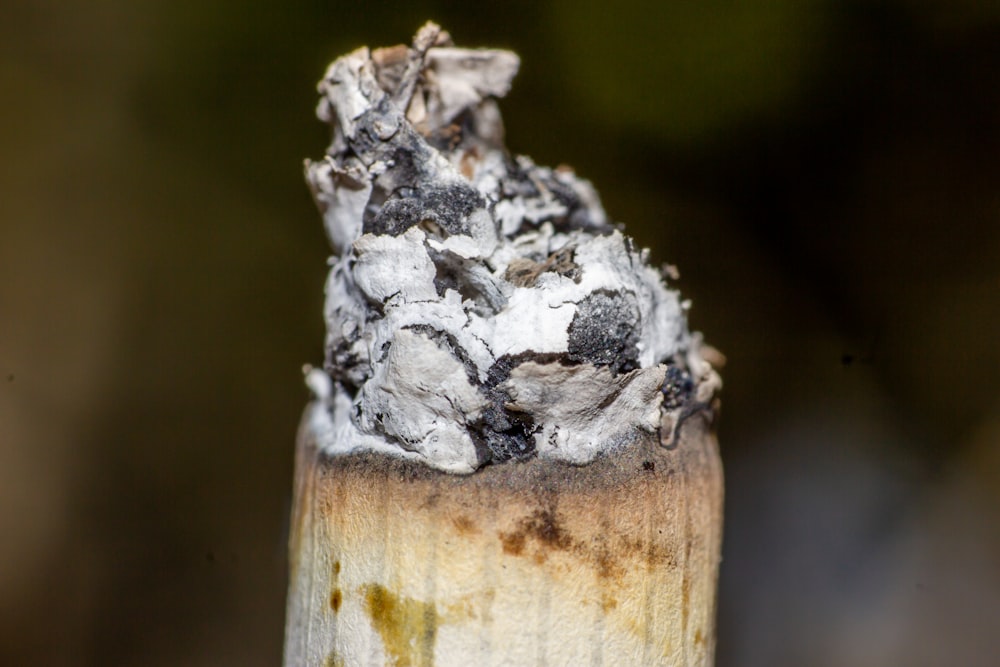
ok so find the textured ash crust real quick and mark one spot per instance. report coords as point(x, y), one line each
point(481, 308)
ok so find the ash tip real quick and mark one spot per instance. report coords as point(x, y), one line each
point(431, 83)
point(481, 308)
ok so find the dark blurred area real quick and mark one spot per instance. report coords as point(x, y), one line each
point(825, 173)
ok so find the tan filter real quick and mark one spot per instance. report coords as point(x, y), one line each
point(533, 563)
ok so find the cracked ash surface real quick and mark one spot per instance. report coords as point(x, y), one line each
point(480, 308)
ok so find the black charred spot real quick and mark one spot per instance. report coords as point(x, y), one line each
point(604, 331)
point(500, 433)
point(441, 210)
point(500, 371)
point(368, 139)
point(677, 387)
point(396, 216)
point(518, 183)
point(345, 366)
point(505, 434)
point(404, 194)
point(501, 368)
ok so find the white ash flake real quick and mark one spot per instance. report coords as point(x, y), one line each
point(481, 308)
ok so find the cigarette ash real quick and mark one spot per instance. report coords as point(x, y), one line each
point(480, 308)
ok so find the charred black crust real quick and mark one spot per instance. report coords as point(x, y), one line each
point(405, 194)
point(502, 435)
point(368, 142)
point(679, 399)
point(344, 366)
point(518, 182)
point(507, 434)
point(604, 331)
point(447, 207)
point(499, 434)
point(678, 387)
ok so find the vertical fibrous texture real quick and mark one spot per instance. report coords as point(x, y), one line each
point(535, 563)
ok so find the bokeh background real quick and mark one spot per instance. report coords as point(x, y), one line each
point(825, 173)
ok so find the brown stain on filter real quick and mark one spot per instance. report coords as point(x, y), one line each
point(543, 526)
point(407, 627)
point(608, 555)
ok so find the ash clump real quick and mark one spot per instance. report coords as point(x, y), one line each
point(480, 308)
point(444, 210)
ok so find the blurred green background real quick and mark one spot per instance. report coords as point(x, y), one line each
point(825, 173)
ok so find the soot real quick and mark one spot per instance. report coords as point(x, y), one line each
point(677, 387)
point(604, 332)
point(448, 207)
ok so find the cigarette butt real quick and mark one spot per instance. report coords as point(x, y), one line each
point(534, 563)
point(509, 459)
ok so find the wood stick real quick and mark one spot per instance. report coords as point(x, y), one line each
point(510, 459)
